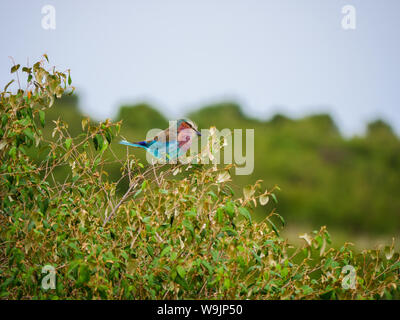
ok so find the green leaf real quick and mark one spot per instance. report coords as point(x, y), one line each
point(13, 152)
point(42, 116)
point(307, 289)
point(4, 119)
point(220, 215)
point(84, 275)
point(15, 68)
point(230, 231)
point(28, 132)
point(165, 251)
point(146, 220)
point(43, 205)
point(104, 146)
point(245, 213)
point(181, 271)
point(191, 214)
point(188, 225)
point(208, 266)
point(150, 250)
point(273, 227)
point(281, 218)
point(230, 208)
point(230, 190)
point(68, 143)
point(108, 135)
point(213, 195)
point(98, 142)
point(227, 283)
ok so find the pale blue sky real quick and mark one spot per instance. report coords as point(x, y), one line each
point(290, 56)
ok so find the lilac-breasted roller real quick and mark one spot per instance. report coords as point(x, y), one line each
point(170, 143)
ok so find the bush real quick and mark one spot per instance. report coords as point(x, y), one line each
point(178, 232)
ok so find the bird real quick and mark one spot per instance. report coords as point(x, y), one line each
point(171, 143)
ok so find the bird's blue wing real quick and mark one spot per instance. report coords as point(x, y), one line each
point(163, 150)
point(167, 151)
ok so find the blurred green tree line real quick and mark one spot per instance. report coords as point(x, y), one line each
point(326, 179)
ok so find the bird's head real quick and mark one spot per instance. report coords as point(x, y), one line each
point(187, 124)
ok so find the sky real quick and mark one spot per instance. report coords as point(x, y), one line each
point(287, 56)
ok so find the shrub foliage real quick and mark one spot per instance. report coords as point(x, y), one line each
point(178, 231)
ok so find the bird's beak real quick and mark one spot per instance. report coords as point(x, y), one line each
point(198, 133)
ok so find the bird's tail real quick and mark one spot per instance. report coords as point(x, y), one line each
point(138, 144)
